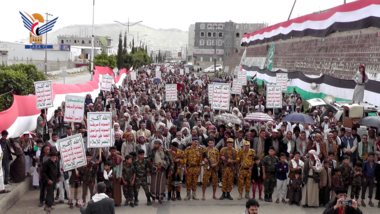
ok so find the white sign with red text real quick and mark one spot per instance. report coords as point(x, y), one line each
point(274, 96)
point(106, 84)
point(44, 94)
point(73, 152)
point(99, 126)
point(221, 96)
point(171, 92)
point(282, 80)
point(74, 108)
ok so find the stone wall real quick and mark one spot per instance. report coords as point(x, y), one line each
point(338, 55)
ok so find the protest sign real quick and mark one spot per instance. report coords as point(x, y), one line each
point(282, 80)
point(148, 71)
point(210, 92)
point(44, 94)
point(99, 129)
point(236, 87)
point(181, 71)
point(106, 84)
point(133, 76)
point(158, 74)
point(274, 96)
point(74, 108)
point(221, 96)
point(187, 70)
point(157, 68)
point(73, 152)
point(226, 68)
point(171, 92)
point(242, 77)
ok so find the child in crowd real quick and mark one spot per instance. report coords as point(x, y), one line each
point(356, 177)
point(257, 178)
point(295, 192)
point(108, 178)
point(332, 160)
point(345, 177)
point(128, 179)
point(335, 181)
point(282, 169)
point(43, 157)
point(369, 178)
point(142, 172)
point(324, 184)
point(36, 180)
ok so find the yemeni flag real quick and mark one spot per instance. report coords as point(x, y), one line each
point(347, 17)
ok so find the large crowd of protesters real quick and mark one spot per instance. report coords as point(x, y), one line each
point(165, 146)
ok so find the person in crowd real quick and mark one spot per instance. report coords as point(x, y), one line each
point(2, 186)
point(360, 78)
point(100, 202)
point(178, 157)
point(295, 188)
point(350, 145)
point(282, 168)
point(108, 178)
point(50, 176)
point(228, 157)
point(257, 178)
point(193, 162)
point(346, 171)
point(325, 183)
point(337, 206)
point(128, 179)
point(357, 177)
point(369, 177)
point(269, 164)
point(117, 167)
point(311, 172)
point(251, 206)
point(17, 168)
point(335, 181)
point(245, 160)
point(6, 157)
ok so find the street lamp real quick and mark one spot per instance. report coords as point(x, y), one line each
point(47, 16)
point(128, 24)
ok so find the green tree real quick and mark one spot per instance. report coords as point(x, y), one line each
point(120, 53)
point(19, 79)
point(133, 45)
point(125, 50)
point(106, 61)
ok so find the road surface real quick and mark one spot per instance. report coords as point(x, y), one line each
point(74, 79)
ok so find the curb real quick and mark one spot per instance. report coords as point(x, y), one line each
point(16, 193)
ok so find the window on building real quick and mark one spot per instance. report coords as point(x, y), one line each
point(82, 41)
point(75, 41)
point(237, 43)
point(67, 40)
point(220, 34)
point(209, 34)
point(202, 34)
point(89, 41)
point(213, 42)
point(220, 42)
point(62, 42)
point(202, 26)
point(237, 34)
point(221, 26)
point(237, 26)
point(208, 42)
point(201, 42)
point(214, 34)
point(209, 26)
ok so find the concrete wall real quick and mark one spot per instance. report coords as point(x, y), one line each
point(338, 55)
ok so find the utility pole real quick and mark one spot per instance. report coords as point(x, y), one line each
point(92, 39)
point(215, 27)
point(47, 17)
point(293, 8)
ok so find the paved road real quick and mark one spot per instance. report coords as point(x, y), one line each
point(28, 204)
point(74, 79)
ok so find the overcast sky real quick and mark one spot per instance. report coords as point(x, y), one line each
point(154, 13)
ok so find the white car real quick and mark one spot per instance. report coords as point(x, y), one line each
point(219, 67)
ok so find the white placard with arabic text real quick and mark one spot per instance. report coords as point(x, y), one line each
point(99, 129)
point(282, 80)
point(74, 108)
point(171, 92)
point(274, 96)
point(133, 76)
point(236, 87)
point(221, 96)
point(44, 94)
point(106, 84)
point(73, 152)
point(242, 77)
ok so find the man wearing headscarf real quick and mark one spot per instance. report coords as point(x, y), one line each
point(311, 171)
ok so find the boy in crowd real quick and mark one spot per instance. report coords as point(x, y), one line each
point(335, 182)
point(369, 178)
point(108, 178)
point(142, 172)
point(346, 172)
point(269, 164)
point(282, 169)
point(128, 179)
point(257, 177)
point(295, 185)
point(88, 174)
point(325, 184)
point(356, 176)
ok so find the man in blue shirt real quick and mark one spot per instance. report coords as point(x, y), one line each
point(369, 177)
point(282, 168)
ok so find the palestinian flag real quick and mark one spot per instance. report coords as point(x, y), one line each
point(347, 17)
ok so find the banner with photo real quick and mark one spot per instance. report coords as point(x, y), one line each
point(73, 152)
point(74, 108)
point(99, 129)
point(221, 96)
point(44, 94)
point(106, 83)
point(274, 96)
point(171, 92)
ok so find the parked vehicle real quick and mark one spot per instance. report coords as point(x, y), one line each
point(219, 67)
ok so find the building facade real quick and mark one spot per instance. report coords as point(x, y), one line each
point(217, 37)
point(100, 42)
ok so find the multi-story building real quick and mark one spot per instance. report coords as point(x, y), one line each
point(220, 37)
point(100, 43)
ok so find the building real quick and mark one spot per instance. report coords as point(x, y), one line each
point(84, 43)
point(191, 41)
point(217, 37)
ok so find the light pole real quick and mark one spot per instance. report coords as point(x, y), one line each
point(128, 25)
point(215, 27)
point(47, 17)
point(92, 39)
